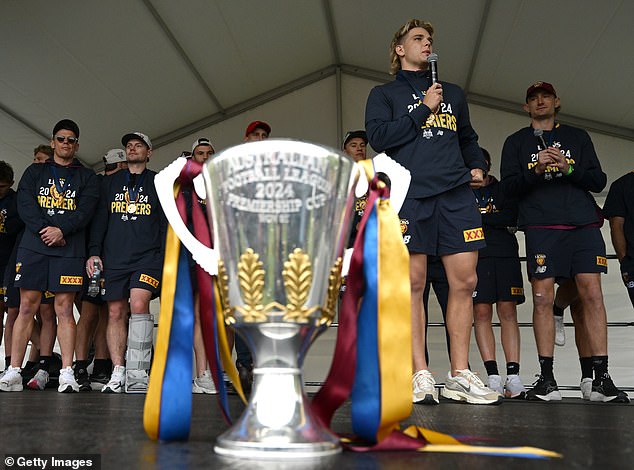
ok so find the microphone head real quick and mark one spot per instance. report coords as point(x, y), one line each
point(433, 57)
point(538, 132)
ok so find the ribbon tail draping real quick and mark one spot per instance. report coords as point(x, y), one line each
point(152, 407)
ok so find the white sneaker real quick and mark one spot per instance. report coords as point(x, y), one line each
point(39, 380)
point(560, 331)
point(424, 387)
point(586, 388)
point(514, 388)
point(204, 384)
point(467, 386)
point(495, 384)
point(11, 381)
point(116, 382)
point(67, 382)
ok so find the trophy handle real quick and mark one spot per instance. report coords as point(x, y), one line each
point(206, 257)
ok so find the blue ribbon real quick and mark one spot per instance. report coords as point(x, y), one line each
point(366, 392)
point(176, 397)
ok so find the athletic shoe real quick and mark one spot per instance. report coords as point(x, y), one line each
point(67, 382)
point(100, 376)
point(586, 388)
point(39, 380)
point(560, 331)
point(466, 386)
point(495, 384)
point(116, 383)
point(83, 379)
point(11, 381)
point(28, 373)
point(204, 384)
point(424, 387)
point(604, 390)
point(245, 372)
point(514, 388)
point(544, 389)
point(136, 381)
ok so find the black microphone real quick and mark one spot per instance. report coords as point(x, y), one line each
point(539, 133)
point(432, 60)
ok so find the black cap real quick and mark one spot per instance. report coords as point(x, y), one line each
point(67, 125)
point(361, 134)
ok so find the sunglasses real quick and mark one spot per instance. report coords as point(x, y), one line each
point(70, 139)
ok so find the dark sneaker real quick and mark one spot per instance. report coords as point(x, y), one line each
point(246, 377)
point(544, 389)
point(82, 378)
point(604, 390)
point(28, 373)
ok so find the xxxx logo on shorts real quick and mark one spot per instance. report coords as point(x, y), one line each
point(404, 225)
point(149, 280)
point(473, 234)
point(517, 291)
point(71, 280)
point(602, 261)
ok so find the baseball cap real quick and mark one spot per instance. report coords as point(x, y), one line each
point(361, 134)
point(136, 135)
point(67, 125)
point(540, 85)
point(255, 124)
point(202, 141)
point(114, 156)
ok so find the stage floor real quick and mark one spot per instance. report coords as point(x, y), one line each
point(589, 435)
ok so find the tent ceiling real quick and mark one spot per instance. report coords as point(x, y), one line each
point(170, 68)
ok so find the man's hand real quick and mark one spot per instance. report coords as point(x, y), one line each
point(90, 265)
point(433, 97)
point(546, 158)
point(52, 236)
point(477, 178)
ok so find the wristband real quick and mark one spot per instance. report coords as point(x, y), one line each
point(570, 168)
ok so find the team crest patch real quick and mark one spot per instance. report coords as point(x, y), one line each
point(17, 267)
point(48, 294)
point(360, 204)
point(540, 260)
point(517, 291)
point(71, 280)
point(404, 225)
point(149, 280)
point(473, 234)
point(602, 261)
point(3, 290)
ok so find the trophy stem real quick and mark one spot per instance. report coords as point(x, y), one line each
point(278, 422)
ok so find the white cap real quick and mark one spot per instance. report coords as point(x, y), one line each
point(202, 141)
point(114, 156)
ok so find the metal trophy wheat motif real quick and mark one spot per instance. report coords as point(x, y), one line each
point(280, 228)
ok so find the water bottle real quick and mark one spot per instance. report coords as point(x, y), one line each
point(93, 287)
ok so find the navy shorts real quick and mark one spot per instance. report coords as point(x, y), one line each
point(35, 271)
point(564, 253)
point(444, 224)
point(499, 280)
point(118, 282)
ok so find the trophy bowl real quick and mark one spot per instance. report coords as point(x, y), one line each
point(281, 213)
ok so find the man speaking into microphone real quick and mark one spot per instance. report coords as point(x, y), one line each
point(424, 126)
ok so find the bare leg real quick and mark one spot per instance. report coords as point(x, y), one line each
point(418, 275)
point(483, 315)
point(23, 326)
point(507, 313)
point(67, 328)
point(462, 278)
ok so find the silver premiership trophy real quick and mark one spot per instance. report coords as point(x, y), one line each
point(281, 214)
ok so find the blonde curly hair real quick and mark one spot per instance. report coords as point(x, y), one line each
point(395, 63)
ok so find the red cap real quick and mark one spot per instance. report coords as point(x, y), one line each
point(255, 124)
point(540, 85)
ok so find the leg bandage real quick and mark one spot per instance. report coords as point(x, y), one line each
point(139, 354)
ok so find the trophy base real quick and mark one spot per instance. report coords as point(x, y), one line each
point(277, 423)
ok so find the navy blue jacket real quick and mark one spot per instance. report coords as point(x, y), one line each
point(439, 150)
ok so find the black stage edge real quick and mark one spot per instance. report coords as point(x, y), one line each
point(589, 435)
